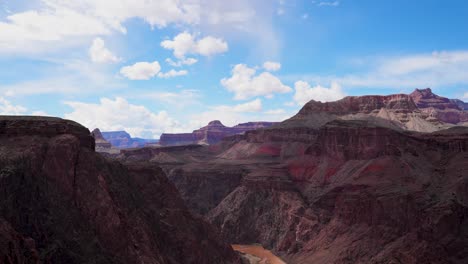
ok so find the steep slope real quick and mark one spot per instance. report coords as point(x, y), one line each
point(440, 108)
point(60, 202)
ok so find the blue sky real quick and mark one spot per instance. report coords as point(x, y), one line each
point(169, 66)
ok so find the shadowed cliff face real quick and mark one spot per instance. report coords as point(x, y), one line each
point(60, 202)
point(322, 189)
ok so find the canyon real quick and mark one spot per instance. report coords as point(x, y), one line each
point(61, 202)
point(365, 179)
point(368, 179)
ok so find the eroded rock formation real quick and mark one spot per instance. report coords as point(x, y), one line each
point(351, 181)
point(61, 202)
point(213, 133)
point(123, 140)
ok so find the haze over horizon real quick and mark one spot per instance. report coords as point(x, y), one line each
point(149, 67)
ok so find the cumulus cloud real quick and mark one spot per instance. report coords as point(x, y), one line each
point(172, 73)
point(119, 114)
point(141, 70)
point(272, 66)
point(304, 93)
point(245, 84)
point(181, 62)
point(100, 54)
point(7, 108)
point(186, 43)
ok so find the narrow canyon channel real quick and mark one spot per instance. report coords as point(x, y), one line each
point(258, 254)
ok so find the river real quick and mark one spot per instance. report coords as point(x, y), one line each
point(258, 254)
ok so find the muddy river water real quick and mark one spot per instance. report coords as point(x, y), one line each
point(258, 254)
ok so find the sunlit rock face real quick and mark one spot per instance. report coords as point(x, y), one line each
point(61, 202)
point(370, 179)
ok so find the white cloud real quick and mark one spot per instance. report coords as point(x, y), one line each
point(74, 23)
point(437, 69)
point(181, 62)
point(275, 112)
point(272, 66)
point(465, 96)
point(180, 99)
point(172, 73)
point(56, 20)
point(7, 108)
point(305, 93)
point(231, 115)
point(245, 84)
point(40, 113)
point(119, 114)
point(100, 54)
point(327, 3)
point(252, 106)
point(141, 70)
point(186, 43)
point(70, 77)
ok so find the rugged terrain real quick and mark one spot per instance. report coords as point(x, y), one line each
point(213, 133)
point(123, 140)
point(61, 202)
point(373, 179)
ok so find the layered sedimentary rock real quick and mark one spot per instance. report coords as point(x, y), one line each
point(440, 108)
point(351, 181)
point(60, 202)
point(123, 140)
point(420, 111)
point(214, 132)
point(101, 142)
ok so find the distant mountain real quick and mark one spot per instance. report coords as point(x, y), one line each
point(122, 140)
point(421, 111)
point(214, 132)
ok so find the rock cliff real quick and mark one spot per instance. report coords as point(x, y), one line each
point(61, 202)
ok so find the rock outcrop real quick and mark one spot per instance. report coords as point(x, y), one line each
point(440, 108)
point(61, 202)
point(123, 140)
point(213, 133)
point(101, 143)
